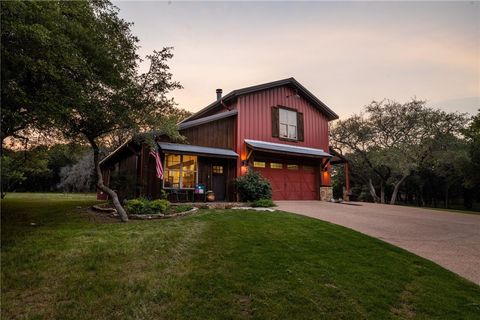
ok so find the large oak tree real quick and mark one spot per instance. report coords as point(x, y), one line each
point(72, 68)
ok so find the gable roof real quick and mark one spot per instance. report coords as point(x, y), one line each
point(289, 81)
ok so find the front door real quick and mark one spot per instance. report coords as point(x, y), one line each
point(218, 181)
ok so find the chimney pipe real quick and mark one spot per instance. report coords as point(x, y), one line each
point(219, 94)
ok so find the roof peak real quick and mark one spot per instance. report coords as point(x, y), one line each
point(264, 86)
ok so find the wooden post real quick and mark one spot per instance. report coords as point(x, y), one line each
point(346, 172)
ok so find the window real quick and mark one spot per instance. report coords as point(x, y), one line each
point(292, 166)
point(288, 124)
point(180, 172)
point(308, 168)
point(258, 164)
point(217, 169)
point(274, 165)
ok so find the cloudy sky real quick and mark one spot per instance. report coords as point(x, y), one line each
point(347, 53)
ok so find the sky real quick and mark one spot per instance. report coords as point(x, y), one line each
point(346, 53)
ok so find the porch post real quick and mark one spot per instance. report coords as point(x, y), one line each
point(346, 172)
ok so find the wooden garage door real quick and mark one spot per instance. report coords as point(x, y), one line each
point(289, 181)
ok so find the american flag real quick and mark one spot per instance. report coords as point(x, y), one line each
point(158, 163)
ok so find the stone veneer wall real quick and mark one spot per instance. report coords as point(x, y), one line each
point(326, 193)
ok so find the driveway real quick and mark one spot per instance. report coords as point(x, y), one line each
point(450, 239)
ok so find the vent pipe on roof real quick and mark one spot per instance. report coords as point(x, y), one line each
point(219, 94)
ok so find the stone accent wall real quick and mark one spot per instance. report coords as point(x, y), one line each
point(326, 193)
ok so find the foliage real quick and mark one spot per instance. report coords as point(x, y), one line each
point(73, 67)
point(78, 177)
point(136, 206)
point(12, 175)
point(145, 206)
point(263, 203)
point(269, 265)
point(390, 141)
point(252, 186)
point(159, 205)
point(180, 208)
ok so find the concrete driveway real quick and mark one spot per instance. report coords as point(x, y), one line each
point(450, 239)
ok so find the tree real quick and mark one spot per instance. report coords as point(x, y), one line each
point(93, 84)
point(78, 177)
point(392, 140)
point(12, 175)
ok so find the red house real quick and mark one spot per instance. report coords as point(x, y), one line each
point(278, 128)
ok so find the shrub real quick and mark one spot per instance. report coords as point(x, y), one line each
point(136, 206)
point(253, 186)
point(163, 194)
point(264, 203)
point(159, 205)
point(144, 206)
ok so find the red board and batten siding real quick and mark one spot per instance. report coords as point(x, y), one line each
point(254, 120)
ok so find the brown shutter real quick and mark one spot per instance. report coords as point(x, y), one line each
point(275, 122)
point(300, 126)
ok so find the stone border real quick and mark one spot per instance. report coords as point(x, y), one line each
point(113, 213)
point(269, 209)
point(161, 215)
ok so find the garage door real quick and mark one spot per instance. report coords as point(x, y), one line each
point(289, 181)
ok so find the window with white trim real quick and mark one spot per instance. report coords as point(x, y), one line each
point(288, 124)
point(180, 172)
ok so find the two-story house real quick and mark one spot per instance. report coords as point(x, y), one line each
point(278, 128)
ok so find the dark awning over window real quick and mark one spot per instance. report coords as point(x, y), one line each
point(286, 149)
point(196, 150)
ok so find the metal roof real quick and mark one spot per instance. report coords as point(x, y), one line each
point(218, 116)
point(289, 81)
point(285, 148)
point(197, 150)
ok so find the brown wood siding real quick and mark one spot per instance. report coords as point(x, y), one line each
point(216, 134)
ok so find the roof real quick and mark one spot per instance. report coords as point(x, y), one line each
point(197, 150)
point(197, 122)
point(114, 152)
point(289, 81)
point(286, 149)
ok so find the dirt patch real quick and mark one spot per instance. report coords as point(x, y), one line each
point(95, 216)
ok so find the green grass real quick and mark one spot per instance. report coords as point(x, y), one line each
point(229, 264)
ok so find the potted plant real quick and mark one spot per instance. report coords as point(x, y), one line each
point(210, 196)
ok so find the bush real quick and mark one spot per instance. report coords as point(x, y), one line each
point(263, 203)
point(253, 186)
point(159, 205)
point(136, 206)
point(144, 206)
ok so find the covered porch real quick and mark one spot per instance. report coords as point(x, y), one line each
point(191, 171)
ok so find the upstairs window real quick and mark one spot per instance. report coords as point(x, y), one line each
point(288, 124)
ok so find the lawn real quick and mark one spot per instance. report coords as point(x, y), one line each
point(222, 264)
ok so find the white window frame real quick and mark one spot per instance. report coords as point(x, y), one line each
point(290, 122)
point(180, 183)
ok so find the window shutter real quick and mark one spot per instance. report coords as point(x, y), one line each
point(275, 122)
point(300, 126)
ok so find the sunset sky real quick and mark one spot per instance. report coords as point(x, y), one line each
point(347, 54)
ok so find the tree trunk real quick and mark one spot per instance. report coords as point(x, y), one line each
point(446, 195)
point(371, 188)
point(112, 194)
point(382, 192)
point(395, 190)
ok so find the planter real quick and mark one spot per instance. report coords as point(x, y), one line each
point(210, 196)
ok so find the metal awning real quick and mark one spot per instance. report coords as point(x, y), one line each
point(196, 150)
point(286, 149)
